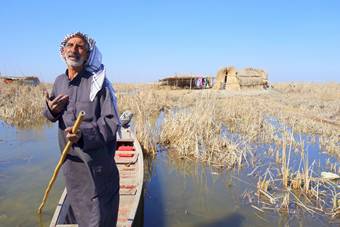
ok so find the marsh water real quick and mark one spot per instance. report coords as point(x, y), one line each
point(177, 192)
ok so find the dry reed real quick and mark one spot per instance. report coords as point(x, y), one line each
point(22, 105)
point(223, 129)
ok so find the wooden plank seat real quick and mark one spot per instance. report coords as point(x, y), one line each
point(126, 160)
point(126, 148)
point(127, 191)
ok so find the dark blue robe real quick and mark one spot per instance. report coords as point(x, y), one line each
point(91, 175)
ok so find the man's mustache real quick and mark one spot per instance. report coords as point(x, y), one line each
point(73, 55)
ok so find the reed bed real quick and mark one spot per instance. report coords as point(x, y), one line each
point(243, 114)
point(288, 188)
point(312, 109)
point(146, 106)
point(22, 105)
point(226, 129)
point(196, 132)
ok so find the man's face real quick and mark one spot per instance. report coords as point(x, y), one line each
point(75, 52)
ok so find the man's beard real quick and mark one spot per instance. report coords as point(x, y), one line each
point(74, 60)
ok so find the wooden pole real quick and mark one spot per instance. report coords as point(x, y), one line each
point(61, 161)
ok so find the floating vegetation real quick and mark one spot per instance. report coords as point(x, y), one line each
point(292, 185)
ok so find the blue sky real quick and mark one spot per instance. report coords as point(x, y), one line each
point(142, 41)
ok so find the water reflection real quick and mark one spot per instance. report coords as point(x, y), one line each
point(186, 193)
point(27, 160)
point(183, 192)
point(178, 192)
point(234, 219)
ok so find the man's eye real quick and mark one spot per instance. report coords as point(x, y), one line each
point(69, 45)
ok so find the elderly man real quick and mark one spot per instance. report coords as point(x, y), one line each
point(91, 176)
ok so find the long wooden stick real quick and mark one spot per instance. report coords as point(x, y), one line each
point(61, 161)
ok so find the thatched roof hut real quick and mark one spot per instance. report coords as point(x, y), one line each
point(28, 80)
point(234, 79)
point(187, 81)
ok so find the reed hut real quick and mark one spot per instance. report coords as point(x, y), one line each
point(29, 80)
point(236, 79)
point(187, 82)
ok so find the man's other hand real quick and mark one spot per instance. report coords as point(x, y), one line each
point(57, 104)
point(73, 137)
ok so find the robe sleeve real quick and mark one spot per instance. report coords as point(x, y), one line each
point(103, 131)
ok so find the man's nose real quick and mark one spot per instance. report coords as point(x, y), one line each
point(73, 52)
point(74, 49)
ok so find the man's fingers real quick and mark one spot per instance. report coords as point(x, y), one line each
point(56, 106)
point(56, 99)
point(58, 103)
point(64, 98)
point(73, 137)
point(61, 103)
point(59, 98)
point(68, 129)
point(70, 135)
point(60, 106)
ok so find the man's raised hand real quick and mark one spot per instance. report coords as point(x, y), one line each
point(57, 104)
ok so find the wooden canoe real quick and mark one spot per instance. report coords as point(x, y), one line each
point(129, 160)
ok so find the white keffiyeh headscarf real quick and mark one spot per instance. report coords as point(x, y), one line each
point(94, 65)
